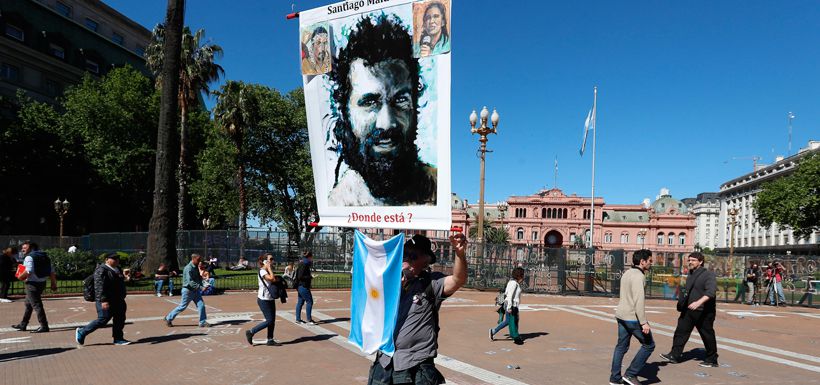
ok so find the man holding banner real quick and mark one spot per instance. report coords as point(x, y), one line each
point(417, 324)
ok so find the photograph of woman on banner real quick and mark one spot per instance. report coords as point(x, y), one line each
point(375, 94)
point(431, 28)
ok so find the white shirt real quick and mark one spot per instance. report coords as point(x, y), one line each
point(512, 294)
point(265, 288)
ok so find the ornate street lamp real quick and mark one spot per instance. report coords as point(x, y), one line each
point(61, 207)
point(482, 130)
point(732, 215)
point(206, 224)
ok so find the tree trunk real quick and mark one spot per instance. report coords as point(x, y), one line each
point(184, 166)
point(243, 209)
point(162, 229)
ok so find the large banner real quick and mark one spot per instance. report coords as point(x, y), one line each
point(377, 90)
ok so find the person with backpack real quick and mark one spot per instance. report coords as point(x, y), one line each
point(38, 270)
point(302, 280)
point(266, 299)
point(109, 297)
point(508, 312)
point(417, 321)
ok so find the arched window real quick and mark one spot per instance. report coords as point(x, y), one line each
point(565, 214)
point(624, 237)
point(671, 238)
point(660, 238)
point(519, 234)
point(682, 238)
point(608, 237)
point(543, 213)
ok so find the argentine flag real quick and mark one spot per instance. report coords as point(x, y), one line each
point(374, 298)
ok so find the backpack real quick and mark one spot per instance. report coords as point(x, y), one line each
point(89, 293)
point(42, 264)
point(500, 298)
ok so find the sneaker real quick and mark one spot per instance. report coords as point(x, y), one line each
point(122, 342)
point(616, 383)
point(491, 335)
point(518, 341)
point(204, 325)
point(631, 380)
point(312, 323)
point(78, 336)
point(159, 294)
point(272, 342)
point(668, 357)
point(249, 337)
point(168, 323)
point(298, 322)
point(707, 364)
point(41, 329)
point(19, 327)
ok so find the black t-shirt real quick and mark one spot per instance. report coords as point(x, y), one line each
point(166, 273)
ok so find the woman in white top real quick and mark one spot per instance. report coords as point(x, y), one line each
point(265, 298)
point(508, 313)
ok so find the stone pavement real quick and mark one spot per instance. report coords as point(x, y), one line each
point(569, 340)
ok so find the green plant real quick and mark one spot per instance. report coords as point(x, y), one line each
point(77, 265)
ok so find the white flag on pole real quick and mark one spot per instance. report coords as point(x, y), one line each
point(586, 131)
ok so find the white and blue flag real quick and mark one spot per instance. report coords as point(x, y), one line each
point(374, 299)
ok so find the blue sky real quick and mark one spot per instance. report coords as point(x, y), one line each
point(683, 86)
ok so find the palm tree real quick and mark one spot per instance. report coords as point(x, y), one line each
point(197, 70)
point(492, 235)
point(235, 112)
point(161, 229)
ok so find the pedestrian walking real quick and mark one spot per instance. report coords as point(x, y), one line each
point(266, 299)
point(631, 318)
point(38, 270)
point(191, 291)
point(109, 295)
point(698, 310)
point(508, 312)
point(303, 278)
point(8, 264)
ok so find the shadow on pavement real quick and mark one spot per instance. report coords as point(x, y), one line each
point(231, 322)
point(172, 337)
point(650, 372)
point(6, 357)
point(332, 320)
point(527, 336)
point(318, 337)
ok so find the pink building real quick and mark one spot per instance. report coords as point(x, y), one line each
point(551, 218)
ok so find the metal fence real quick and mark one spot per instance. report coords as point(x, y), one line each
point(548, 270)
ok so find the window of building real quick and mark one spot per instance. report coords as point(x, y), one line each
point(117, 38)
point(15, 32)
point(56, 51)
point(682, 238)
point(91, 24)
point(671, 239)
point(534, 235)
point(9, 72)
point(519, 234)
point(92, 66)
point(608, 237)
point(53, 88)
point(641, 239)
point(140, 50)
point(543, 213)
point(63, 9)
point(624, 238)
point(660, 238)
point(572, 237)
point(564, 214)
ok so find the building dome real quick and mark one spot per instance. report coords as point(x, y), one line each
point(456, 203)
point(665, 203)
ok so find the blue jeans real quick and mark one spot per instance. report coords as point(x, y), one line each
point(778, 288)
point(304, 297)
point(116, 311)
point(268, 308)
point(511, 320)
point(626, 330)
point(189, 295)
point(158, 283)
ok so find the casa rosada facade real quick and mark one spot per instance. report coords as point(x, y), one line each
point(553, 219)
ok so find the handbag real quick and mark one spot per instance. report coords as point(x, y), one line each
point(683, 301)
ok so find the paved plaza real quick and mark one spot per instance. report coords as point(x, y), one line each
point(568, 340)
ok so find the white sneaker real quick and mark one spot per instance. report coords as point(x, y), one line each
point(159, 295)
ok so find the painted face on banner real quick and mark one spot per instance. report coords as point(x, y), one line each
point(380, 107)
point(319, 47)
point(433, 20)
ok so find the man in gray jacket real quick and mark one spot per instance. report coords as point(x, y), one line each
point(109, 292)
point(700, 312)
point(632, 322)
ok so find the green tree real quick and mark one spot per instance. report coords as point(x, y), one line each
point(162, 229)
point(280, 173)
point(215, 196)
point(197, 70)
point(793, 200)
point(236, 112)
point(492, 235)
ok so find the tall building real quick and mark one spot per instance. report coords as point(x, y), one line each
point(749, 235)
point(48, 45)
point(706, 209)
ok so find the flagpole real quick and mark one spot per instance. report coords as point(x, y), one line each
point(592, 201)
point(555, 176)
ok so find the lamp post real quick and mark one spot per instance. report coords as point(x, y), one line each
point(61, 207)
point(642, 234)
point(482, 130)
point(732, 214)
point(502, 210)
point(206, 224)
